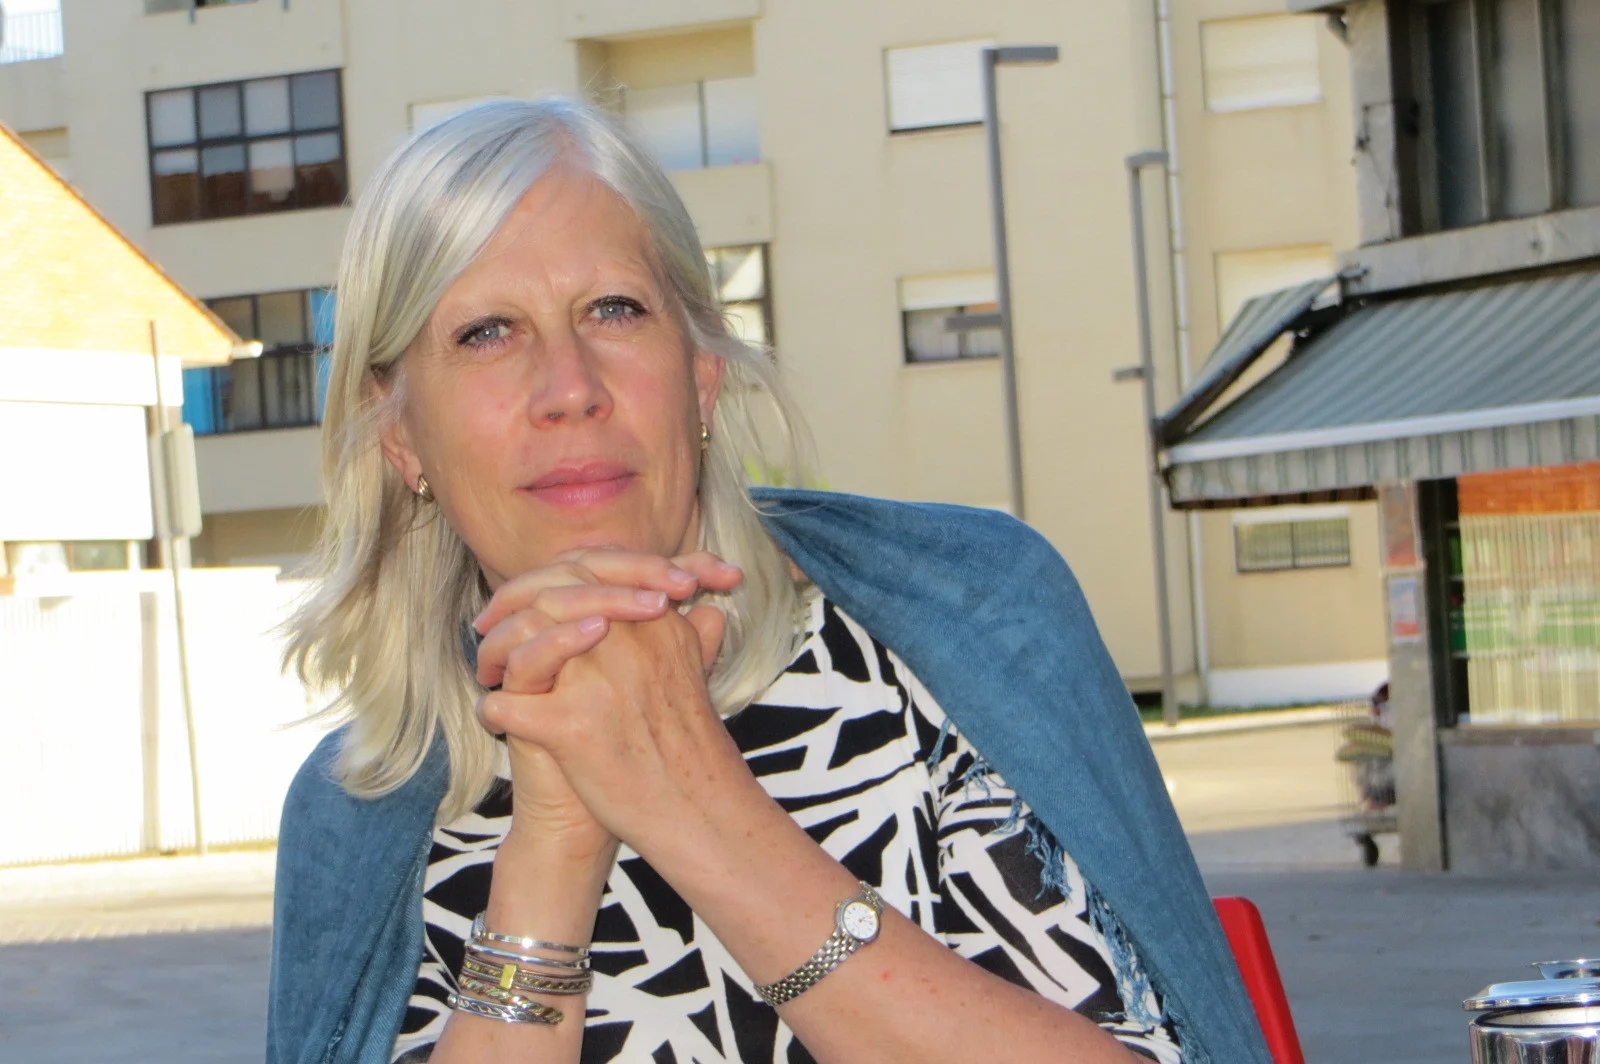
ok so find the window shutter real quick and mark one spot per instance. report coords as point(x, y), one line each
point(428, 115)
point(937, 291)
point(1260, 62)
point(935, 85)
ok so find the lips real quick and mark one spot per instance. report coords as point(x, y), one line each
point(581, 485)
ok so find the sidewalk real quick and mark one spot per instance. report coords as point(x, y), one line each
point(142, 896)
point(1254, 720)
point(1376, 963)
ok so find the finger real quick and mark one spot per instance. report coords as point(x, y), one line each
point(518, 593)
point(557, 606)
point(490, 711)
point(712, 572)
point(534, 666)
point(709, 624)
point(619, 568)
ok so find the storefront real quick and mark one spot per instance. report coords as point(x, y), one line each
point(1473, 416)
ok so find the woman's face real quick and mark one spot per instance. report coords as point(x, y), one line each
point(553, 400)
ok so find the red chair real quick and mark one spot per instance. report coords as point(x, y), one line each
point(1247, 935)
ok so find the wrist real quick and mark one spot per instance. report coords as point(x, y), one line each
point(547, 890)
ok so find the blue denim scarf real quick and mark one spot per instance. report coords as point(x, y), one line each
point(984, 611)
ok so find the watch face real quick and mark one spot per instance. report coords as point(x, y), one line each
point(860, 921)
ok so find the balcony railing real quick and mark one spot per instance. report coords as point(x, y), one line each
point(30, 33)
point(282, 389)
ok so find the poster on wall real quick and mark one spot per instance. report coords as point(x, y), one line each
point(1405, 614)
point(1397, 511)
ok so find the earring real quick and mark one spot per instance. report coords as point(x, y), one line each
point(422, 490)
point(705, 436)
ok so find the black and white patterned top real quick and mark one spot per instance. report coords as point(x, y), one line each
point(859, 753)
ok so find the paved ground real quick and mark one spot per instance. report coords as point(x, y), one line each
point(1376, 963)
point(173, 952)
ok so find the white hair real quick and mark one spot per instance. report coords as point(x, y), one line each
point(386, 622)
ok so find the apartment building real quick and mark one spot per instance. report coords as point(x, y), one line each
point(832, 155)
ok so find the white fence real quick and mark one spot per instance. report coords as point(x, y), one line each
point(94, 754)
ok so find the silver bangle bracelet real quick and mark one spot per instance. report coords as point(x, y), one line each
point(481, 933)
point(580, 965)
point(532, 1012)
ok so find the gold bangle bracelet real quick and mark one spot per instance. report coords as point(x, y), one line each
point(524, 980)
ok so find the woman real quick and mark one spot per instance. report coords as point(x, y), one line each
point(726, 817)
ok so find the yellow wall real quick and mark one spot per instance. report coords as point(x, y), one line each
point(1300, 617)
point(261, 537)
point(682, 58)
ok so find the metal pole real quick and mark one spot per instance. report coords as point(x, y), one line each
point(170, 542)
point(1158, 530)
point(1002, 272)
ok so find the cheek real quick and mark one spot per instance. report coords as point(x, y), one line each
point(465, 426)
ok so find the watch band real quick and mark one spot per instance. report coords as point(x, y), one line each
point(832, 953)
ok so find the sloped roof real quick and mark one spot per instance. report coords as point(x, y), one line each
point(70, 281)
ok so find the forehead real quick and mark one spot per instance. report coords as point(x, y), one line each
point(568, 216)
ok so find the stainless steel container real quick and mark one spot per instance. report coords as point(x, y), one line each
point(1540, 1021)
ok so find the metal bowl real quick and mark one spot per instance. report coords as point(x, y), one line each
point(1577, 968)
point(1543, 1036)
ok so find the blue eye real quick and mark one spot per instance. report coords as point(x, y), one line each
point(483, 333)
point(617, 309)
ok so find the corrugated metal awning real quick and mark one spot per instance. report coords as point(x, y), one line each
point(1502, 376)
point(1256, 326)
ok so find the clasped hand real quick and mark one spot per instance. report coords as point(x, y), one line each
point(602, 695)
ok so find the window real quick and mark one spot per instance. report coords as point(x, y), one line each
point(699, 124)
point(29, 30)
point(1505, 93)
point(935, 85)
point(926, 305)
point(286, 386)
point(246, 147)
point(1251, 63)
point(1243, 275)
point(1268, 541)
point(740, 276)
point(156, 7)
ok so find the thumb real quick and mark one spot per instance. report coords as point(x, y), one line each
point(709, 624)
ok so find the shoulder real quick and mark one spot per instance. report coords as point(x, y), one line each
point(798, 505)
point(876, 556)
point(839, 524)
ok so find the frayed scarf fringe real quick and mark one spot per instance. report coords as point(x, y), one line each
point(1133, 985)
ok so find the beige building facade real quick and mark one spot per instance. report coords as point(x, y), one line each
point(833, 151)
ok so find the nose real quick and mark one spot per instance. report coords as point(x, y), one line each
point(568, 383)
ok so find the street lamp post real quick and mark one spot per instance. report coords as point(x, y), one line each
point(1146, 374)
point(994, 57)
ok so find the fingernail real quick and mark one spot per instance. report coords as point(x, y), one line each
point(678, 576)
point(653, 599)
point(591, 625)
point(477, 622)
point(729, 567)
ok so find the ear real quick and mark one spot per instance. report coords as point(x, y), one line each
point(396, 441)
point(708, 371)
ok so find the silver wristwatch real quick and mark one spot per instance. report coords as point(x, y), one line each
point(856, 923)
